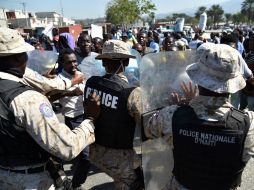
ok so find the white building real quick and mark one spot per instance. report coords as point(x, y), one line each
point(3, 18)
point(54, 18)
point(21, 19)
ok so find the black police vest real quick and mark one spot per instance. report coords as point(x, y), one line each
point(115, 127)
point(17, 148)
point(208, 154)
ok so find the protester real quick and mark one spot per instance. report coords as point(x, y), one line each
point(84, 47)
point(168, 44)
point(113, 151)
point(66, 41)
point(131, 38)
point(88, 65)
point(73, 111)
point(239, 46)
point(107, 37)
point(142, 40)
point(215, 38)
point(97, 44)
point(139, 48)
point(179, 43)
point(151, 43)
point(31, 132)
point(236, 98)
point(124, 37)
point(55, 35)
point(214, 141)
point(247, 95)
point(194, 42)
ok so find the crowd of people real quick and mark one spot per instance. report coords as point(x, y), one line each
point(211, 134)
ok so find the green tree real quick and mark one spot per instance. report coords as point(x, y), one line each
point(152, 18)
point(126, 12)
point(215, 13)
point(247, 9)
point(238, 18)
point(228, 17)
point(200, 11)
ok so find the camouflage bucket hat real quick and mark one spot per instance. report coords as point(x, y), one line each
point(11, 42)
point(115, 49)
point(217, 68)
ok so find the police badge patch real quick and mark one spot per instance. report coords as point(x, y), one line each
point(46, 110)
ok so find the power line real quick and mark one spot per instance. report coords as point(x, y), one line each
point(61, 6)
point(24, 6)
point(24, 10)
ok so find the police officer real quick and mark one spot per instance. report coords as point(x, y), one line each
point(214, 141)
point(113, 150)
point(30, 131)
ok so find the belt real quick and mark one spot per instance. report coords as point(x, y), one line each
point(27, 171)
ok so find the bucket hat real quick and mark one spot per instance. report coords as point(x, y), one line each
point(217, 68)
point(115, 49)
point(11, 42)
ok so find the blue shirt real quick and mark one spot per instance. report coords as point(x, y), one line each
point(155, 46)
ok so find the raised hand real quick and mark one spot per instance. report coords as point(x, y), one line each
point(92, 107)
point(189, 91)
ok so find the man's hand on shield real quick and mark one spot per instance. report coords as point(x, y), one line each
point(189, 92)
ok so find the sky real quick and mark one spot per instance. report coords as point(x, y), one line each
point(96, 8)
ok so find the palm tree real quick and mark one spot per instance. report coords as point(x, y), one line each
point(238, 18)
point(248, 9)
point(200, 11)
point(228, 17)
point(216, 13)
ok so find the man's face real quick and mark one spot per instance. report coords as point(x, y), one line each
point(139, 48)
point(124, 38)
point(168, 43)
point(142, 39)
point(85, 44)
point(98, 46)
point(70, 63)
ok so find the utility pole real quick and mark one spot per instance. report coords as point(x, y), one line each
point(62, 12)
point(24, 10)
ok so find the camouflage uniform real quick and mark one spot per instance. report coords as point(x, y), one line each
point(43, 84)
point(35, 115)
point(217, 70)
point(119, 163)
point(207, 108)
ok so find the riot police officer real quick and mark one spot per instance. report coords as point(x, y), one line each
point(211, 140)
point(30, 131)
point(113, 150)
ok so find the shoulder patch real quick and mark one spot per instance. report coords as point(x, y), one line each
point(46, 110)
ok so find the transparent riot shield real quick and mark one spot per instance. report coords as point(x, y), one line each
point(42, 61)
point(160, 75)
point(91, 66)
point(132, 71)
